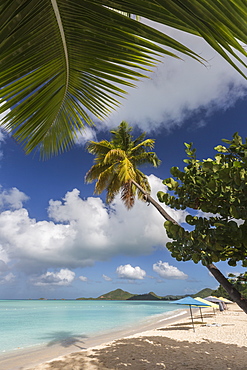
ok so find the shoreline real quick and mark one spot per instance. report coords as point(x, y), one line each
point(32, 356)
point(220, 342)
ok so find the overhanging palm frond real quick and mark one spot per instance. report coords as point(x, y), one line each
point(222, 23)
point(63, 60)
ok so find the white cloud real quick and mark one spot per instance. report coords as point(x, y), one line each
point(9, 278)
point(166, 271)
point(106, 278)
point(2, 115)
point(5, 275)
point(81, 232)
point(12, 198)
point(179, 87)
point(130, 272)
point(83, 278)
point(63, 277)
point(87, 134)
point(3, 131)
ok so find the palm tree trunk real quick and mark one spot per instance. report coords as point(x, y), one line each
point(151, 200)
point(233, 292)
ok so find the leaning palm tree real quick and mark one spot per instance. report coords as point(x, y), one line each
point(62, 61)
point(116, 167)
point(115, 170)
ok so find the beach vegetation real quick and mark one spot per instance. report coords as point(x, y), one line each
point(238, 281)
point(65, 61)
point(217, 189)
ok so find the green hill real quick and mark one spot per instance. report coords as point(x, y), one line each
point(203, 293)
point(116, 295)
point(172, 297)
point(121, 295)
point(145, 297)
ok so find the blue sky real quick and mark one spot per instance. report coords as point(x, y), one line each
point(58, 240)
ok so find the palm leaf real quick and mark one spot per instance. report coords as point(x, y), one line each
point(63, 61)
point(148, 143)
point(148, 157)
point(116, 165)
point(114, 156)
point(95, 172)
point(105, 179)
point(113, 189)
point(128, 194)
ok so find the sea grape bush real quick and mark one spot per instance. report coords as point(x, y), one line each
point(218, 188)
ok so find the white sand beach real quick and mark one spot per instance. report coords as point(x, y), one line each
point(220, 342)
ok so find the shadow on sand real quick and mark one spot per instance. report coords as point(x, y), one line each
point(65, 339)
point(161, 352)
point(157, 353)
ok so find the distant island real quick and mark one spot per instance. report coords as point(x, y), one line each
point(121, 295)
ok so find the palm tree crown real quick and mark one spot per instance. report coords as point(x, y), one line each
point(116, 162)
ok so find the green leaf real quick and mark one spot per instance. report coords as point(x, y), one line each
point(233, 211)
point(65, 61)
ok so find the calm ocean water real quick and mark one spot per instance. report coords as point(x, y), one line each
point(26, 323)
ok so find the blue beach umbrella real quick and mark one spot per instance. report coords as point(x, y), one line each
point(189, 301)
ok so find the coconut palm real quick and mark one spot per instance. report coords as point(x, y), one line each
point(63, 61)
point(115, 170)
point(116, 167)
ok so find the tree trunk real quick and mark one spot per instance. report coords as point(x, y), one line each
point(233, 292)
point(151, 200)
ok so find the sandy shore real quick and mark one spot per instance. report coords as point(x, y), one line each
point(220, 342)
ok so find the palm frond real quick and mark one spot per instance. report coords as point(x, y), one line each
point(142, 180)
point(148, 143)
point(98, 148)
point(126, 170)
point(113, 189)
point(114, 156)
point(128, 195)
point(147, 158)
point(116, 169)
point(63, 61)
point(95, 172)
point(104, 180)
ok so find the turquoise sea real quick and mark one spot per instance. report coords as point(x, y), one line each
point(26, 323)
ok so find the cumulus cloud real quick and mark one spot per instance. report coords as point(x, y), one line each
point(83, 278)
point(166, 271)
point(130, 272)
point(64, 277)
point(12, 198)
point(81, 232)
point(87, 134)
point(5, 275)
point(177, 88)
point(106, 278)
